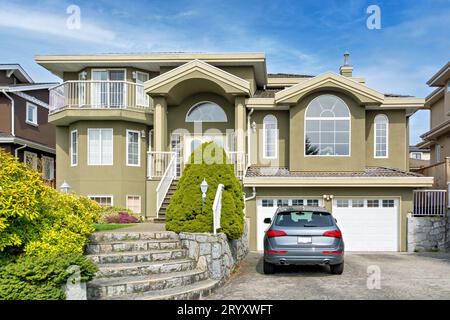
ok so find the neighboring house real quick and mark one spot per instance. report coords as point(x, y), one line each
point(24, 128)
point(438, 138)
point(126, 123)
point(418, 158)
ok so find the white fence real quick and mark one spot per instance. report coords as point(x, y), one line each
point(430, 203)
point(217, 208)
point(98, 94)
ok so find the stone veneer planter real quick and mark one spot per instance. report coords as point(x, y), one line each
point(428, 233)
point(215, 252)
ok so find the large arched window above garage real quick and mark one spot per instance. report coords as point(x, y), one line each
point(270, 137)
point(381, 133)
point(327, 127)
point(206, 112)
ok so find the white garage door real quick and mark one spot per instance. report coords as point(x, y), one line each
point(368, 224)
point(266, 208)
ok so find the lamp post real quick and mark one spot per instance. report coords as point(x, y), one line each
point(65, 188)
point(204, 189)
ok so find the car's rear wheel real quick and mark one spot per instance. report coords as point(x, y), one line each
point(337, 268)
point(268, 268)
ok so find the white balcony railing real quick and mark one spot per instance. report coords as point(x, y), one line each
point(98, 94)
point(238, 160)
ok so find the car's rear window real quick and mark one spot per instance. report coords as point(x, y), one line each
point(304, 219)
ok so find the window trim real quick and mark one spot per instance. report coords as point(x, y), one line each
point(349, 118)
point(35, 114)
point(52, 170)
point(140, 202)
point(375, 136)
point(73, 164)
point(90, 196)
point(264, 138)
point(207, 121)
point(112, 149)
point(25, 158)
point(139, 148)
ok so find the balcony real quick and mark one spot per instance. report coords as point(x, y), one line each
point(98, 95)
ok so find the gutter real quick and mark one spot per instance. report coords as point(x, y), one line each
point(253, 196)
point(13, 131)
point(249, 149)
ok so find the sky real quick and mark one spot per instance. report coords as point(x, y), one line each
point(307, 37)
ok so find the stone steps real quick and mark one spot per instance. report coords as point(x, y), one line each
point(125, 236)
point(137, 256)
point(193, 291)
point(132, 245)
point(116, 287)
point(144, 268)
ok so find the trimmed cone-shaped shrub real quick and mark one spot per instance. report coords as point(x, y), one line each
point(185, 212)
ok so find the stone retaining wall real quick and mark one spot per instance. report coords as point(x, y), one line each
point(215, 252)
point(428, 233)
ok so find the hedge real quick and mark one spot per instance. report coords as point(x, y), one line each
point(185, 212)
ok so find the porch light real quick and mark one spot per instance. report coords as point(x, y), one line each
point(204, 189)
point(65, 188)
point(83, 75)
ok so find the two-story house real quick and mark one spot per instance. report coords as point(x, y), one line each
point(127, 123)
point(437, 139)
point(24, 128)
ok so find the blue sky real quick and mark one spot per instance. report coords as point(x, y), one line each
point(297, 36)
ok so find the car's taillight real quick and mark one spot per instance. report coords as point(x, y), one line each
point(333, 234)
point(275, 233)
point(276, 251)
point(333, 252)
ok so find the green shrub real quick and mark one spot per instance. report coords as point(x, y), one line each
point(185, 212)
point(41, 278)
point(21, 193)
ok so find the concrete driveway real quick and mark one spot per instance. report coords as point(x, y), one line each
point(402, 276)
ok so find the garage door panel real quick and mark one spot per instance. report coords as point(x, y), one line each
point(368, 229)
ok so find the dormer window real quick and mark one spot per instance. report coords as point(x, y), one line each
point(327, 127)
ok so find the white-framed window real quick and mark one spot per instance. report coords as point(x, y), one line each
point(282, 202)
point(312, 202)
point(381, 136)
point(30, 159)
point(327, 127)
point(74, 147)
point(133, 148)
point(141, 97)
point(206, 112)
point(82, 88)
point(31, 116)
point(267, 203)
point(357, 203)
point(134, 204)
point(48, 168)
point(100, 147)
point(270, 137)
point(416, 155)
point(342, 203)
point(104, 201)
point(388, 203)
point(297, 202)
point(108, 88)
point(373, 203)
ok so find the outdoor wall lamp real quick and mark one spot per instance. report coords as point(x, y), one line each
point(83, 75)
point(65, 188)
point(254, 126)
point(204, 189)
point(328, 197)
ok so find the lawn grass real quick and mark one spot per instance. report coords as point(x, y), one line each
point(111, 226)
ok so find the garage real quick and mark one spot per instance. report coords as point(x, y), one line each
point(266, 208)
point(368, 224)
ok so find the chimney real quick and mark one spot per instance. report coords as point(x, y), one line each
point(346, 70)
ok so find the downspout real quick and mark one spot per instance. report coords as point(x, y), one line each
point(253, 196)
point(16, 153)
point(249, 149)
point(13, 131)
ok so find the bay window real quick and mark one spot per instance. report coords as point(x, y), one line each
point(100, 147)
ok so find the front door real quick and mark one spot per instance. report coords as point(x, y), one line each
point(193, 142)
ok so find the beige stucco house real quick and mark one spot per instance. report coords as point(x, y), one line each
point(126, 123)
point(437, 139)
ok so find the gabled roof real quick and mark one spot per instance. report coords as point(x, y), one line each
point(331, 80)
point(163, 83)
point(18, 71)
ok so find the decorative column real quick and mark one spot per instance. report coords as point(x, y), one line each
point(240, 126)
point(160, 124)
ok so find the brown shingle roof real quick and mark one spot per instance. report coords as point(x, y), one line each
point(289, 75)
point(268, 93)
point(369, 172)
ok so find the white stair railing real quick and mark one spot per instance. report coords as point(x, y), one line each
point(165, 182)
point(217, 208)
point(237, 159)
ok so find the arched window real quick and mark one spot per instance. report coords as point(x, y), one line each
point(327, 127)
point(270, 137)
point(381, 136)
point(206, 112)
